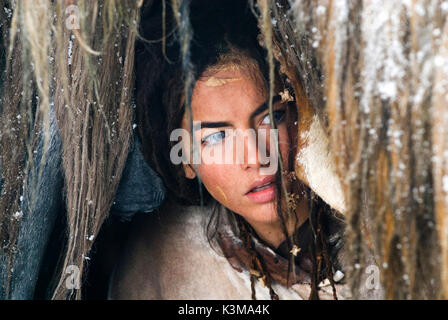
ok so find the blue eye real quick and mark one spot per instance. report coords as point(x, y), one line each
point(214, 138)
point(278, 116)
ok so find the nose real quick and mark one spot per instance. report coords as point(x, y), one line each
point(250, 156)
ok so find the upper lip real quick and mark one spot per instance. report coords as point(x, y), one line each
point(261, 182)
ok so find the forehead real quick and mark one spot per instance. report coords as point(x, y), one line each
point(229, 94)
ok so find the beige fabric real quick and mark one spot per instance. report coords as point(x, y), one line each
point(316, 164)
point(170, 258)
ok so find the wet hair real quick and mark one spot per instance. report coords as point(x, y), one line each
point(99, 73)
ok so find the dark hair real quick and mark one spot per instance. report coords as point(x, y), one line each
point(159, 85)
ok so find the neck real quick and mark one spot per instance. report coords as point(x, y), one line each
point(272, 233)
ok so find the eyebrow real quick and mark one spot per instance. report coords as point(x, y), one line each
point(261, 108)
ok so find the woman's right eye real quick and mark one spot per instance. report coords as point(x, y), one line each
point(214, 138)
point(279, 115)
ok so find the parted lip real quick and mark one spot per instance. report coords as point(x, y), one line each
point(261, 182)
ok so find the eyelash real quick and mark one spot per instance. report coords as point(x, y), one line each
point(280, 113)
point(208, 140)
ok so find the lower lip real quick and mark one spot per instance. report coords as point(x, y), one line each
point(262, 196)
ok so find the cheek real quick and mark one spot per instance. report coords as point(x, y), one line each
point(217, 179)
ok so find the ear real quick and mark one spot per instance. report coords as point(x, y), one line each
point(189, 171)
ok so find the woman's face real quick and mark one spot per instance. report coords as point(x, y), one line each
point(223, 102)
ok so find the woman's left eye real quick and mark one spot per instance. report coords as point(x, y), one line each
point(278, 116)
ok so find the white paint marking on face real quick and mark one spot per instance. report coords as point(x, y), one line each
point(222, 192)
point(317, 162)
point(216, 82)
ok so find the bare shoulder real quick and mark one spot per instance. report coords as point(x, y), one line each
point(167, 257)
